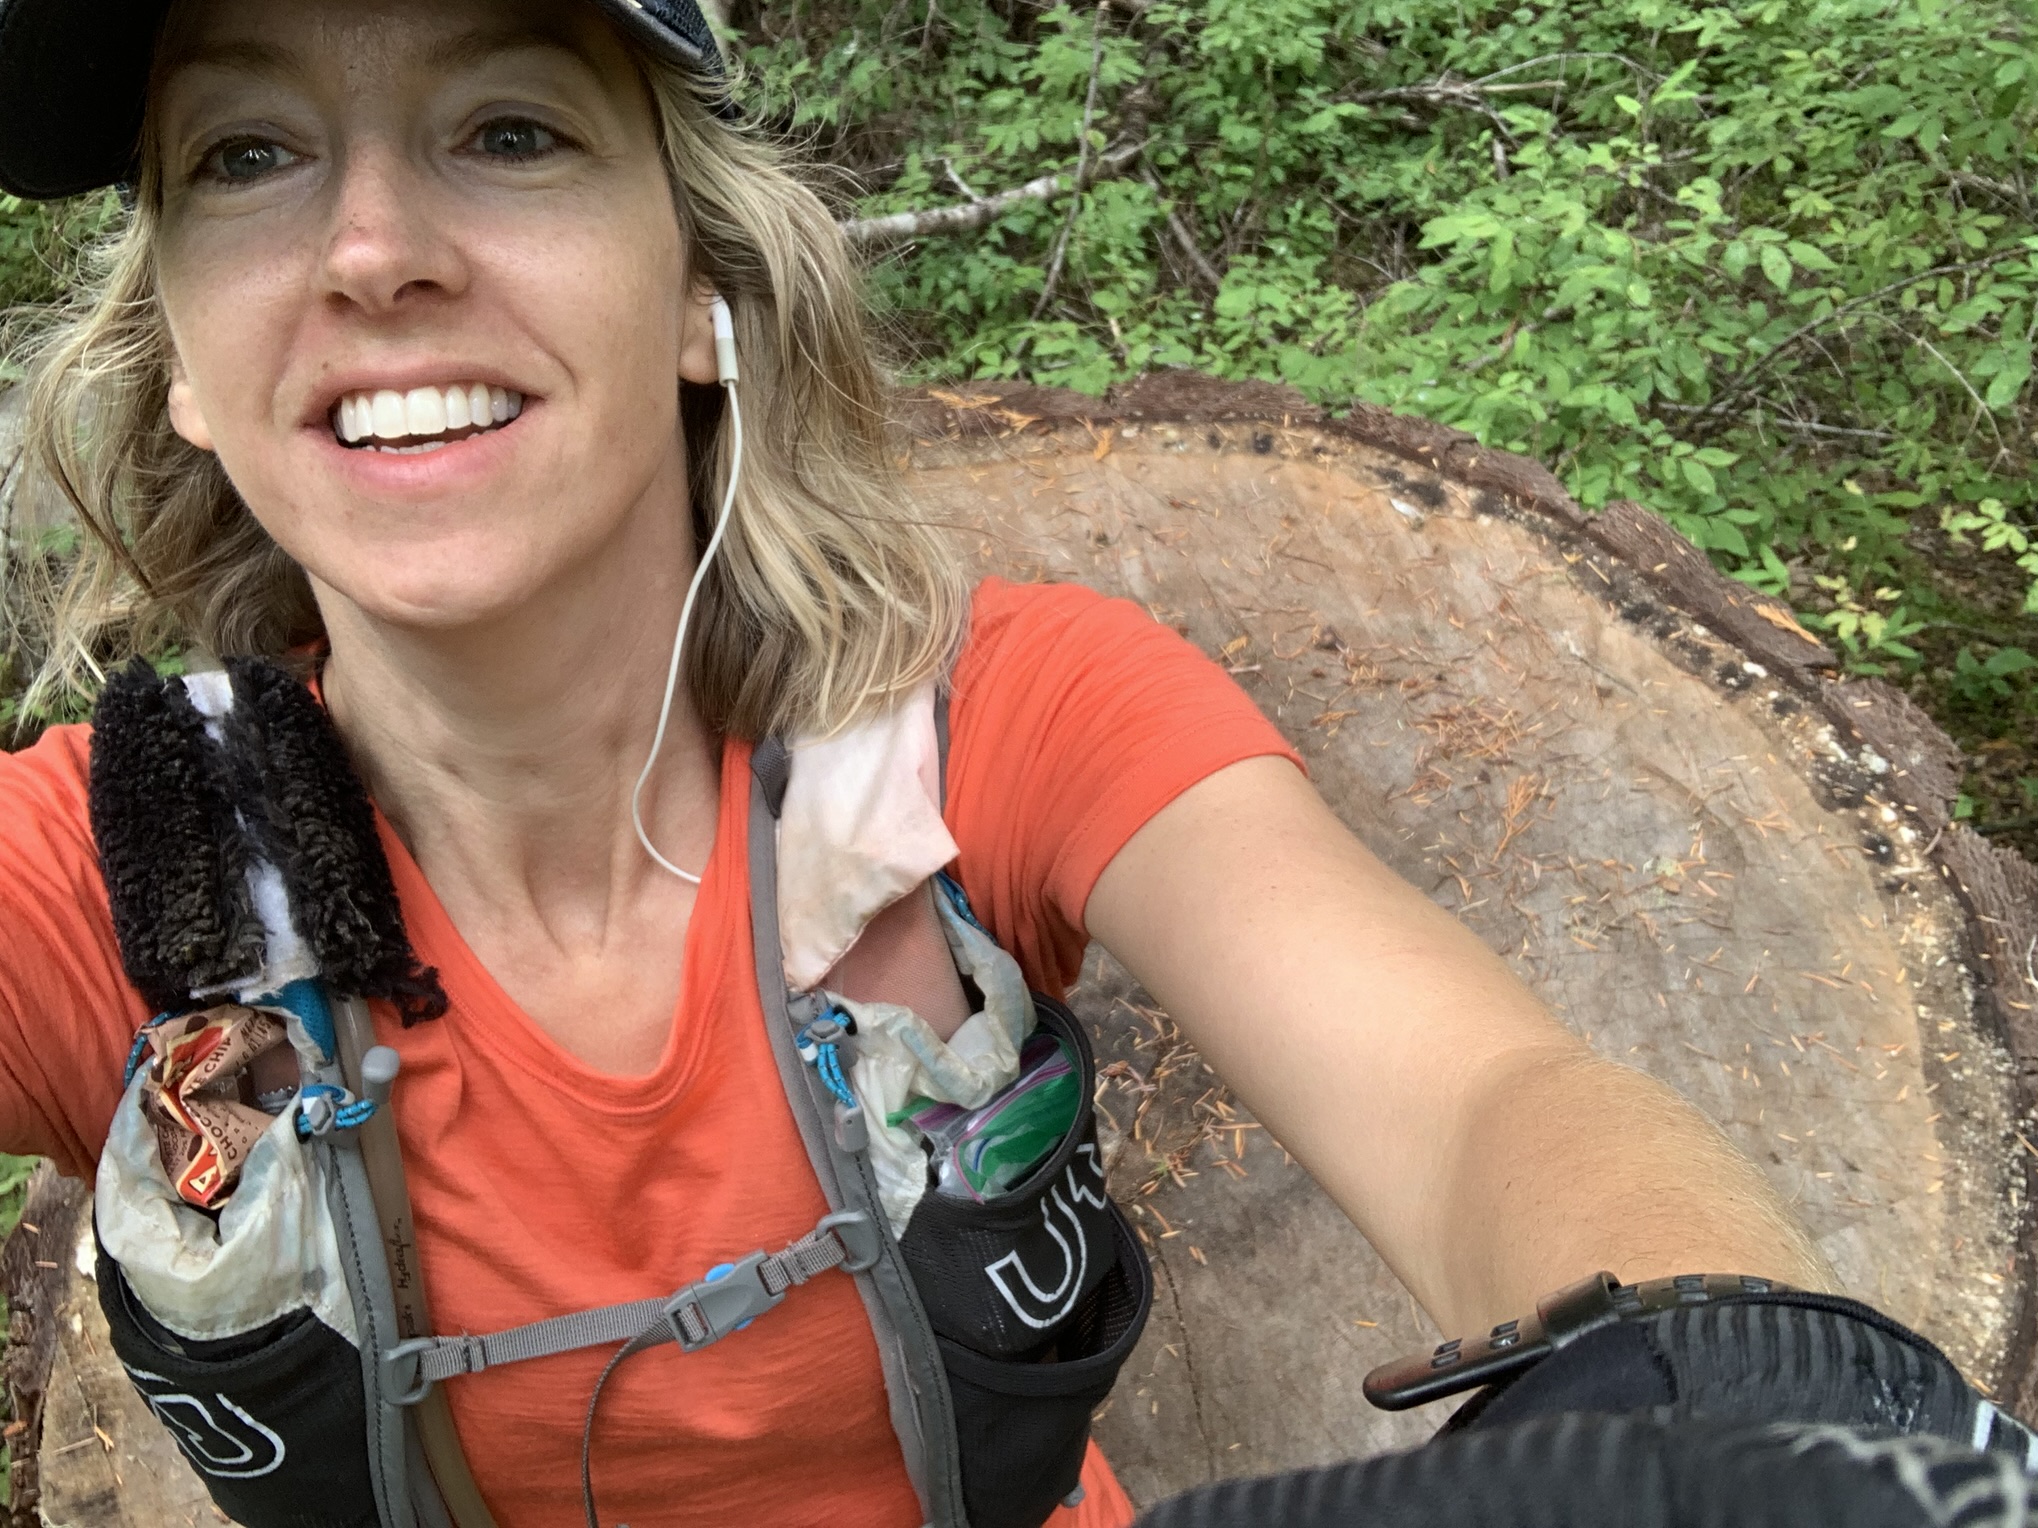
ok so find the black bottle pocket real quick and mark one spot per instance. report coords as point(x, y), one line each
point(274, 1420)
point(1022, 1428)
point(1036, 1296)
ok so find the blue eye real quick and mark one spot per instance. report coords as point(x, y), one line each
point(241, 160)
point(515, 138)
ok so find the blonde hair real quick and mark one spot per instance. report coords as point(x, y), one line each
point(827, 598)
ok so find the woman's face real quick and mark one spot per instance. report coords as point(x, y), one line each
point(425, 285)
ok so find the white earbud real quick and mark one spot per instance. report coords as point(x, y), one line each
point(725, 368)
point(725, 339)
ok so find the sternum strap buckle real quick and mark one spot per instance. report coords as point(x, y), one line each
point(727, 1300)
point(707, 1310)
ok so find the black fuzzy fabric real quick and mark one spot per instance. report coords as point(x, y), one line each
point(175, 852)
point(174, 860)
point(317, 828)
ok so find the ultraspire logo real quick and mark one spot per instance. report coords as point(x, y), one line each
point(1043, 1302)
point(218, 1437)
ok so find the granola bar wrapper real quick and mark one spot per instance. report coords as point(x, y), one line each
point(200, 1096)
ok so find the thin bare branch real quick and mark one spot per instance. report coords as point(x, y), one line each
point(1441, 92)
point(1558, 58)
point(1185, 240)
point(1068, 227)
point(1737, 387)
point(1782, 421)
point(966, 217)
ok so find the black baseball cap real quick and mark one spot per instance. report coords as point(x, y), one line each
point(74, 74)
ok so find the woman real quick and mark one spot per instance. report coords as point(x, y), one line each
point(346, 213)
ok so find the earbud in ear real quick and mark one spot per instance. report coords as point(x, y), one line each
point(725, 339)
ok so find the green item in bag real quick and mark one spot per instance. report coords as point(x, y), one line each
point(981, 1153)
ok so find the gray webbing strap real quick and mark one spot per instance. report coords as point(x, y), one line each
point(702, 1312)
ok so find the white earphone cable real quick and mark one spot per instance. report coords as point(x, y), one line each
point(693, 589)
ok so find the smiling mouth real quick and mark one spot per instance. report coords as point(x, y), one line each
point(423, 419)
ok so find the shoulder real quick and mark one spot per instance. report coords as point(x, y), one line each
point(1009, 620)
point(1069, 657)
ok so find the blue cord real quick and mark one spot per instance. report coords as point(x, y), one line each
point(140, 1048)
point(829, 1065)
point(958, 899)
point(348, 1112)
point(825, 1059)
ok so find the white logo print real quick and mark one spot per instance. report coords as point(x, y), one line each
point(1061, 1299)
point(233, 1447)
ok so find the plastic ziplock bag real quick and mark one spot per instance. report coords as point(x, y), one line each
point(900, 1061)
point(980, 1153)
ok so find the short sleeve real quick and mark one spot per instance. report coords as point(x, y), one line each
point(1073, 720)
point(67, 1012)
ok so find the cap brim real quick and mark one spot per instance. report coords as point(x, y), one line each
point(74, 76)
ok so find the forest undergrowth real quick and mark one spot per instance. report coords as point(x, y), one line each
point(1770, 269)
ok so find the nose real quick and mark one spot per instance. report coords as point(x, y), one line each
point(388, 245)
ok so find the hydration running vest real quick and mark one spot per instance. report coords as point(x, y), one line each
point(285, 1341)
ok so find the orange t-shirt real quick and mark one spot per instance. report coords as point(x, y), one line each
point(542, 1186)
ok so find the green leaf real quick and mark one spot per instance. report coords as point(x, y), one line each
point(1810, 256)
point(1776, 266)
point(2008, 383)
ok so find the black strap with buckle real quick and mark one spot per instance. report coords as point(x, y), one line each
point(1513, 1347)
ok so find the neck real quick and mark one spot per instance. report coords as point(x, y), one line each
point(504, 752)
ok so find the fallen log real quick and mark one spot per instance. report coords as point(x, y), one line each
point(1641, 782)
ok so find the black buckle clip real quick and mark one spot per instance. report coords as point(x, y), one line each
point(1515, 1346)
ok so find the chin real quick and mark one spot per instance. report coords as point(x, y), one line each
point(433, 593)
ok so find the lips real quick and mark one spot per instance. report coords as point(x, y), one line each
point(424, 418)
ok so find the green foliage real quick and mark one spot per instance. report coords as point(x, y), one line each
point(40, 245)
point(1770, 268)
point(1998, 533)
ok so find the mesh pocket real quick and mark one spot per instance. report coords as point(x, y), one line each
point(1037, 1297)
point(1022, 1428)
point(274, 1420)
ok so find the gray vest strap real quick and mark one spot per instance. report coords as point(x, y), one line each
point(923, 1416)
point(700, 1313)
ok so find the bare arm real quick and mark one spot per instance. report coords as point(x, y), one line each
point(1487, 1153)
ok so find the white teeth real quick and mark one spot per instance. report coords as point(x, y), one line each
point(391, 420)
point(423, 411)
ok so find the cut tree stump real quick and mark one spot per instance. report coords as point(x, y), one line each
point(1640, 782)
